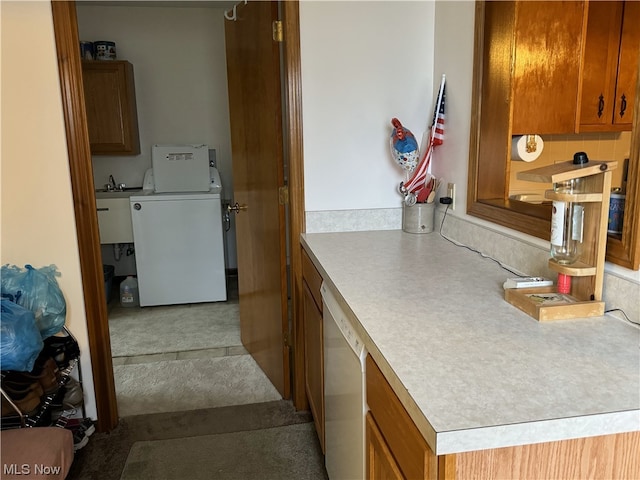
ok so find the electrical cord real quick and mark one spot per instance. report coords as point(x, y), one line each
point(623, 314)
point(483, 255)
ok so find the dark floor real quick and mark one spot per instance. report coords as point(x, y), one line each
point(105, 455)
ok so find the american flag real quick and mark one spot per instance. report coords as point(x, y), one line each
point(436, 136)
point(438, 120)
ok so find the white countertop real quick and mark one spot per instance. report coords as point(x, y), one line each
point(473, 371)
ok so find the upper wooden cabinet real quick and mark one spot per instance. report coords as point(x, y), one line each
point(110, 102)
point(610, 68)
point(492, 127)
point(545, 49)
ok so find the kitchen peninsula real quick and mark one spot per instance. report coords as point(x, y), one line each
point(474, 373)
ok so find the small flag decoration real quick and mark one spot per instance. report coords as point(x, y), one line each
point(414, 188)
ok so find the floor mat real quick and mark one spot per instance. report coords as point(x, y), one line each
point(106, 454)
point(274, 453)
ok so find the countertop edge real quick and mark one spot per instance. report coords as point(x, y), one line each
point(501, 436)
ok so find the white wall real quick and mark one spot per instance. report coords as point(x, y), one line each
point(363, 63)
point(454, 38)
point(179, 61)
point(38, 222)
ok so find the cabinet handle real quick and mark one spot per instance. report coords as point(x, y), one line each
point(600, 105)
point(623, 105)
point(103, 209)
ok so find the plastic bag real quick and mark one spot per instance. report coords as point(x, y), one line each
point(37, 290)
point(20, 340)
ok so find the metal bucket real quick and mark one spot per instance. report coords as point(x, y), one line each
point(418, 218)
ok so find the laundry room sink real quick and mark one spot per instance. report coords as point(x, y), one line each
point(126, 193)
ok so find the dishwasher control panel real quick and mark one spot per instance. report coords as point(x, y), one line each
point(342, 321)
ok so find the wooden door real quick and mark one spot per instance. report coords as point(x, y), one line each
point(600, 65)
point(628, 66)
point(255, 106)
point(380, 462)
point(546, 84)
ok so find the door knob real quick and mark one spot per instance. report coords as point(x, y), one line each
point(237, 207)
point(137, 206)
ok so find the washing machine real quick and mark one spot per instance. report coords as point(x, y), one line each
point(177, 229)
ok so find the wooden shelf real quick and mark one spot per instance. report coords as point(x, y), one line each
point(577, 269)
point(573, 197)
point(559, 172)
point(555, 307)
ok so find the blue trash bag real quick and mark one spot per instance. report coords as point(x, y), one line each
point(37, 290)
point(20, 340)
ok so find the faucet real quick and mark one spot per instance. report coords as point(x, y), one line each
point(112, 184)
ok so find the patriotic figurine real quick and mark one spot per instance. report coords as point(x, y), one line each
point(419, 187)
point(404, 148)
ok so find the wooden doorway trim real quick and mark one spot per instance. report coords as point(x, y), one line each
point(293, 145)
point(81, 171)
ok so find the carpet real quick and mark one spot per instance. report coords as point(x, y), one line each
point(105, 455)
point(173, 328)
point(271, 454)
point(178, 385)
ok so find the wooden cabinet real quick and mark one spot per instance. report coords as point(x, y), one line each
point(313, 343)
point(612, 46)
point(545, 58)
point(380, 462)
point(110, 104)
point(571, 66)
point(399, 447)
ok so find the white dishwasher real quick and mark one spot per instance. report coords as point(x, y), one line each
point(344, 393)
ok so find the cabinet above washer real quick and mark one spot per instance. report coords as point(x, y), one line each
point(110, 104)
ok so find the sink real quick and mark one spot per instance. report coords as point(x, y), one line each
point(126, 193)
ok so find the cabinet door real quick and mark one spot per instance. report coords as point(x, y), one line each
point(405, 442)
point(110, 104)
point(600, 65)
point(314, 361)
point(380, 462)
point(546, 71)
point(628, 66)
point(114, 220)
point(610, 66)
